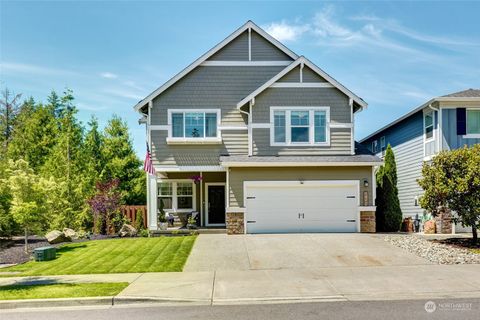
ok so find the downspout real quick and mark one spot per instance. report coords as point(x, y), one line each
point(249, 126)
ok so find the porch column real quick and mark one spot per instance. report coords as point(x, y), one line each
point(152, 202)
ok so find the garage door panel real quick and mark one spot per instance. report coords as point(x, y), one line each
point(322, 208)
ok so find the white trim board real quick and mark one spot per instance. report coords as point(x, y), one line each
point(299, 164)
point(299, 61)
point(220, 63)
point(249, 25)
point(302, 85)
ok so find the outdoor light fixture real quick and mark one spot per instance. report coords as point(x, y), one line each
point(365, 182)
point(416, 201)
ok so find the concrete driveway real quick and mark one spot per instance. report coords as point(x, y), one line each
point(295, 251)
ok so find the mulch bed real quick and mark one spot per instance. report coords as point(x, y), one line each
point(463, 243)
point(12, 250)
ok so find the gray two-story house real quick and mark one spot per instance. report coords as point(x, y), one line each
point(443, 123)
point(260, 140)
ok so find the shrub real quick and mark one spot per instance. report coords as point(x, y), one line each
point(139, 221)
point(144, 233)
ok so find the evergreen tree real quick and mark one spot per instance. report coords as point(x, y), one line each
point(391, 203)
point(123, 163)
point(9, 108)
point(380, 201)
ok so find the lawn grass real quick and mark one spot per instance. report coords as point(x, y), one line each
point(61, 290)
point(162, 254)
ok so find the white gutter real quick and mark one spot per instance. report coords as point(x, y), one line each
point(296, 164)
point(249, 126)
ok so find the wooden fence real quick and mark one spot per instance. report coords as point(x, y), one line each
point(130, 212)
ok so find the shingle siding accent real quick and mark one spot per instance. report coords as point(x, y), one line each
point(212, 87)
point(236, 50)
point(311, 76)
point(263, 50)
point(340, 144)
point(331, 97)
point(239, 175)
point(291, 76)
point(234, 142)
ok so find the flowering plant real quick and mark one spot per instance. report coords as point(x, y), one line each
point(196, 179)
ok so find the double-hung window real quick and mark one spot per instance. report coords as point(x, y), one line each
point(473, 122)
point(428, 125)
point(300, 126)
point(374, 146)
point(176, 195)
point(190, 125)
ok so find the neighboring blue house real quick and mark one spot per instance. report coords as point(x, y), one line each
point(420, 134)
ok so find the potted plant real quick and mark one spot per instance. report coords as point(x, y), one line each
point(192, 223)
point(162, 220)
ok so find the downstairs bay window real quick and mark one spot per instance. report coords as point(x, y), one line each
point(176, 196)
point(301, 126)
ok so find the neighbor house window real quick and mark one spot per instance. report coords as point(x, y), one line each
point(300, 126)
point(428, 125)
point(374, 146)
point(177, 195)
point(194, 123)
point(382, 145)
point(473, 121)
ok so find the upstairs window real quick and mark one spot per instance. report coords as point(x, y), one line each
point(382, 145)
point(194, 124)
point(473, 121)
point(300, 126)
point(374, 146)
point(428, 125)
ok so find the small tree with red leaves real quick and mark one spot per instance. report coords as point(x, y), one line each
point(104, 205)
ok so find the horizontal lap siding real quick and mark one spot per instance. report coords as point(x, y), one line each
point(238, 176)
point(331, 97)
point(234, 142)
point(340, 144)
point(236, 50)
point(263, 50)
point(212, 87)
point(406, 139)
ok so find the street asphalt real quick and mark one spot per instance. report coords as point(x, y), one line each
point(450, 309)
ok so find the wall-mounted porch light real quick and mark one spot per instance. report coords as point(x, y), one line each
point(365, 182)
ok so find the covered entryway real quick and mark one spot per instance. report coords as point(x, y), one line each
point(301, 206)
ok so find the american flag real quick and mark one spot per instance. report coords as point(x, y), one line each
point(148, 164)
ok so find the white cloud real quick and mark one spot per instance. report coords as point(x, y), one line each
point(12, 67)
point(108, 75)
point(282, 31)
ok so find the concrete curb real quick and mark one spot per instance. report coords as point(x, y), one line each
point(59, 302)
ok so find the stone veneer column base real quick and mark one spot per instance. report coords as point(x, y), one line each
point(235, 223)
point(443, 222)
point(367, 221)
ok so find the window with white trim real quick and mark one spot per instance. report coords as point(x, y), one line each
point(428, 125)
point(382, 145)
point(302, 126)
point(176, 195)
point(194, 124)
point(473, 121)
point(374, 146)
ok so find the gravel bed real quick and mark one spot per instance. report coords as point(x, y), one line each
point(12, 250)
point(433, 251)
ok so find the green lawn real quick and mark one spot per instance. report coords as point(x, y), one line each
point(61, 290)
point(160, 254)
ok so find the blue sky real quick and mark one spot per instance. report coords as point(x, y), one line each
point(395, 55)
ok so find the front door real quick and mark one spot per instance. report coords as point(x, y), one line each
point(215, 204)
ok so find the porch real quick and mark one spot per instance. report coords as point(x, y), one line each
point(185, 192)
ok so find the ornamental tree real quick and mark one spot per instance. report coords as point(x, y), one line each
point(104, 205)
point(452, 180)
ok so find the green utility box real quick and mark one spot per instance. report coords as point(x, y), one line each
point(44, 253)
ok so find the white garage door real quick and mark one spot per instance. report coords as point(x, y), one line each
point(289, 206)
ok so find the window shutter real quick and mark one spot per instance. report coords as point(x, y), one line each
point(461, 121)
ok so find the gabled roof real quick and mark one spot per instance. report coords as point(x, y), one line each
point(248, 25)
point(469, 93)
point(461, 96)
point(316, 69)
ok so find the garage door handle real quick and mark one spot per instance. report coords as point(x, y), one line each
point(351, 220)
point(249, 198)
point(350, 197)
point(251, 221)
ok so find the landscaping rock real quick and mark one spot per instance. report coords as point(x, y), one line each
point(56, 236)
point(433, 251)
point(70, 233)
point(127, 231)
point(429, 227)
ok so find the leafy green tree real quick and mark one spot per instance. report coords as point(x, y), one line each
point(123, 163)
point(389, 213)
point(7, 224)
point(452, 180)
point(28, 198)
